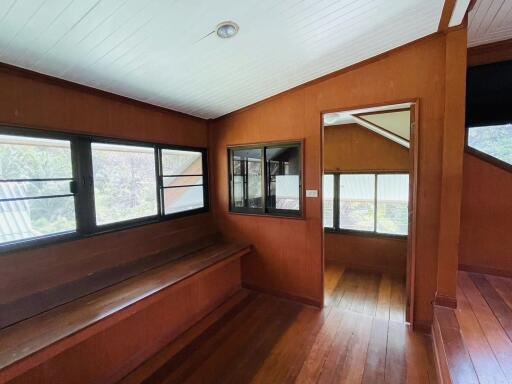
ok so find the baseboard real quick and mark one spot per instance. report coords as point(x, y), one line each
point(446, 301)
point(284, 295)
point(486, 270)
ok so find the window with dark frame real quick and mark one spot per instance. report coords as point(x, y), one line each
point(375, 203)
point(266, 179)
point(55, 186)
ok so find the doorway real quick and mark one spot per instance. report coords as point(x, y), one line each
point(368, 189)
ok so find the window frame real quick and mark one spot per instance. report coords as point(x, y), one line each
point(482, 155)
point(264, 210)
point(335, 229)
point(83, 186)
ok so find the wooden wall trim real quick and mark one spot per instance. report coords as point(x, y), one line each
point(18, 71)
point(485, 270)
point(490, 53)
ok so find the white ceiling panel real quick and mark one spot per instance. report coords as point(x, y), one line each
point(164, 52)
point(490, 21)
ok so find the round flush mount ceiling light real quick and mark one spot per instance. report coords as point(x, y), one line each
point(227, 29)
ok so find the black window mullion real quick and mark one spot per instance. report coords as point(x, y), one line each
point(84, 197)
point(336, 202)
point(265, 187)
point(159, 181)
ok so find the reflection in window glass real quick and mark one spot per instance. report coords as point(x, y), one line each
point(393, 204)
point(283, 178)
point(357, 202)
point(35, 197)
point(247, 173)
point(182, 180)
point(124, 182)
point(494, 140)
point(328, 202)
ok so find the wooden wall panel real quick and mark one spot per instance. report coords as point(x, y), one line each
point(108, 350)
point(486, 220)
point(288, 257)
point(351, 147)
point(381, 254)
point(36, 101)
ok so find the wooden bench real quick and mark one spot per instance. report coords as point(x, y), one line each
point(102, 336)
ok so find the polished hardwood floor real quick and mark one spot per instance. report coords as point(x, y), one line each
point(478, 334)
point(359, 337)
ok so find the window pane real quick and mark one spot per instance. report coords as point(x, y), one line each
point(247, 172)
point(328, 195)
point(181, 181)
point(495, 140)
point(393, 204)
point(176, 162)
point(124, 182)
point(25, 219)
point(23, 158)
point(183, 199)
point(283, 177)
point(19, 189)
point(33, 158)
point(357, 206)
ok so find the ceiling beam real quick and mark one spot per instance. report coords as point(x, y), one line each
point(490, 53)
point(381, 131)
point(446, 15)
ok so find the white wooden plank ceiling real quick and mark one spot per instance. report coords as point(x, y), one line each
point(163, 52)
point(490, 21)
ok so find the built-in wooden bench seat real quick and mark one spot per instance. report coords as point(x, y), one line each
point(34, 341)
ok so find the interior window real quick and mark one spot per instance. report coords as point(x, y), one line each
point(182, 180)
point(35, 188)
point(283, 174)
point(492, 140)
point(124, 182)
point(271, 189)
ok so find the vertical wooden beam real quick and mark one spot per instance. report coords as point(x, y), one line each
point(453, 151)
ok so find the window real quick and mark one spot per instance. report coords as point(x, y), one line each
point(266, 179)
point(35, 188)
point(55, 185)
point(370, 202)
point(124, 182)
point(182, 181)
point(492, 140)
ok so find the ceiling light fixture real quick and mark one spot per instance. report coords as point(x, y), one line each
point(227, 29)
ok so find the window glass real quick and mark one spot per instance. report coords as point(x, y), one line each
point(283, 177)
point(494, 140)
point(328, 202)
point(35, 195)
point(124, 182)
point(247, 175)
point(357, 202)
point(183, 188)
point(393, 203)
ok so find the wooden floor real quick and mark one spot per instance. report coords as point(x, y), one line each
point(359, 337)
point(479, 330)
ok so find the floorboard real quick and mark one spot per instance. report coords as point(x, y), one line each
point(358, 337)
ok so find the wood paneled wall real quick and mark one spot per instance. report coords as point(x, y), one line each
point(288, 253)
point(351, 147)
point(372, 253)
point(27, 99)
point(486, 220)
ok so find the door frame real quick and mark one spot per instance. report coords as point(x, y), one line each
point(413, 194)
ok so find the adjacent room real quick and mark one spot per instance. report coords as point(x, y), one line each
point(255, 191)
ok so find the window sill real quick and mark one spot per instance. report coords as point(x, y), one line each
point(364, 234)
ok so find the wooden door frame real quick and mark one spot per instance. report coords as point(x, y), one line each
point(413, 193)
